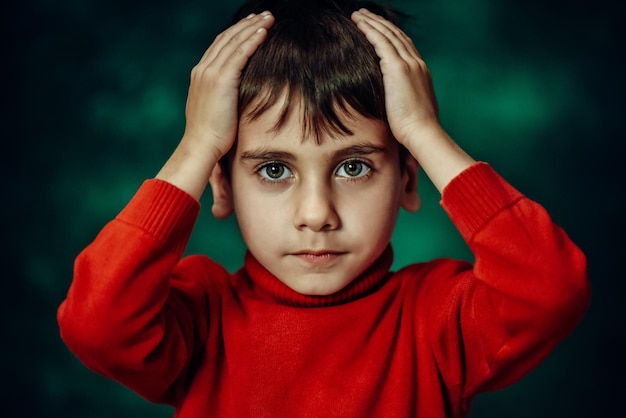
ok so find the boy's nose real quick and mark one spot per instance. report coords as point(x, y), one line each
point(315, 209)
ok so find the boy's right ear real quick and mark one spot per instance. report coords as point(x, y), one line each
point(222, 193)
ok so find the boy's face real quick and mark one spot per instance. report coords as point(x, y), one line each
point(316, 216)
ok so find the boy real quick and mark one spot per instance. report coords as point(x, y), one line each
point(301, 120)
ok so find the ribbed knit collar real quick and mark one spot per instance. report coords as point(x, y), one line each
point(266, 283)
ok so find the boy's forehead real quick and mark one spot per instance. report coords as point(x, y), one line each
point(265, 131)
point(288, 119)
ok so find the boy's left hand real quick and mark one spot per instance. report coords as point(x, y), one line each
point(409, 94)
point(410, 99)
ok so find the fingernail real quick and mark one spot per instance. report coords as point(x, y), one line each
point(250, 16)
point(266, 13)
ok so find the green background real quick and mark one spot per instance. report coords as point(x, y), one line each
point(94, 103)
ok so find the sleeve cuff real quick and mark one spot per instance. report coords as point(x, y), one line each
point(475, 196)
point(164, 211)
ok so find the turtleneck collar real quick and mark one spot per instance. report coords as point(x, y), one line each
point(266, 283)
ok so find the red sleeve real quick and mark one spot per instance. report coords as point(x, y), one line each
point(527, 290)
point(128, 315)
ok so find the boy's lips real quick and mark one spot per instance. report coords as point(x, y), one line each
point(318, 257)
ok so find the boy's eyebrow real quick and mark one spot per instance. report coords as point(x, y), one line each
point(360, 149)
point(262, 154)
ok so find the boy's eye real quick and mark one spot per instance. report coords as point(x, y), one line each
point(353, 168)
point(274, 171)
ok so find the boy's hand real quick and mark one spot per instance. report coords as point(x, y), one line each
point(211, 109)
point(212, 101)
point(410, 100)
point(409, 94)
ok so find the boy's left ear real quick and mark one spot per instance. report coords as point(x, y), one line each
point(222, 193)
point(410, 199)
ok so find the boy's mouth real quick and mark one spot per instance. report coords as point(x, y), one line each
point(318, 257)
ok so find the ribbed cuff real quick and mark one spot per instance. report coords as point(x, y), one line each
point(164, 211)
point(475, 196)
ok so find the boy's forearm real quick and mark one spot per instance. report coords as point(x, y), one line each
point(528, 287)
point(440, 157)
point(117, 316)
point(189, 168)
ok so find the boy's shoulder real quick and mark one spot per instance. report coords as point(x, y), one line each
point(201, 273)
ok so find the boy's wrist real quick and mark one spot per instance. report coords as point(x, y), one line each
point(201, 151)
point(438, 155)
point(425, 135)
point(190, 165)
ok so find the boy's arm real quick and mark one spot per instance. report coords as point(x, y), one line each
point(528, 287)
point(128, 314)
point(211, 110)
point(526, 292)
point(135, 312)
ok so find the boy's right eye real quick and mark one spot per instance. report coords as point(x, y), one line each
point(274, 172)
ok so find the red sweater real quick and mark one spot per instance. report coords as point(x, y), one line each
point(420, 342)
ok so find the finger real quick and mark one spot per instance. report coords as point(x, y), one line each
point(235, 54)
point(384, 47)
point(231, 39)
point(218, 42)
point(401, 42)
point(391, 27)
point(223, 37)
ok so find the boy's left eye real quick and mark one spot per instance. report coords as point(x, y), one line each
point(353, 169)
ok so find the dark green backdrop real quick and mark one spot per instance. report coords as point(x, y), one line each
point(94, 103)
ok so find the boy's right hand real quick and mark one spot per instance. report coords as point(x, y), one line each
point(211, 110)
point(212, 104)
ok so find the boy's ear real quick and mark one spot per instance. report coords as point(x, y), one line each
point(222, 193)
point(410, 199)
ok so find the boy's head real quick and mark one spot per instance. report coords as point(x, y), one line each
point(317, 58)
point(315, 177)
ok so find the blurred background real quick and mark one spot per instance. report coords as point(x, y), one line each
point(94, 103)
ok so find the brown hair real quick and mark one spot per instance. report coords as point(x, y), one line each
point(318, 57)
